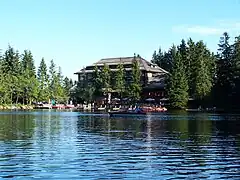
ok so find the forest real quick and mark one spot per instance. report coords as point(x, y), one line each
point(22, 83)
point(197, 77)
point(196, 73)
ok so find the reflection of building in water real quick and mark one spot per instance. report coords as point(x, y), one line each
point(149, 142)
point(149, 132)
point(53, 127)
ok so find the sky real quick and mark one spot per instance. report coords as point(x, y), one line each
point(77, 33)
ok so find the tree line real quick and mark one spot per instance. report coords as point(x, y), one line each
point(104, 81)
point(196, 73)
point(21, 82)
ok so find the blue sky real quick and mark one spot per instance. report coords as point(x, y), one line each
point(76, 33)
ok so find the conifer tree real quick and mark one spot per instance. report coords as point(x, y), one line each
point(11, 68)
point(135, 86)
point(191, 66)
point(154, 57)
point(28, 63)
point(67, 85)
point(236, 70)
point(105, 76)
point(120, 81)
point(97, 82)
point(52, 80)
point(203, 81)
point(29, 81)
point(178, 86)
point(43, 80)
point(224, 84)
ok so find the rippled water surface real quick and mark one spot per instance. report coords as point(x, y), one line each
point(73, 145)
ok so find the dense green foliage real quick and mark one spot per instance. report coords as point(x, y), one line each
point(20, 83)
point(104, 81)
point(178, 84)
point(135, 86)
point(105, 76)
point(120, 80)
point(195, 73)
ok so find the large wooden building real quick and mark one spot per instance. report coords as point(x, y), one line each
point(152, 76)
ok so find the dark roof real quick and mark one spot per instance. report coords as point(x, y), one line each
point(144, 64)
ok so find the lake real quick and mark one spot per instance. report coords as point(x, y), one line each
point(75, 145)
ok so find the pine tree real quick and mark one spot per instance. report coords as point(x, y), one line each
point(53, 80)
point(203, 81)
point(162, 59)
point(29, 81)
point(224, 84)
point(11, 62)
point(105, 76)
point(11, 66)
point(135, 86)
point(28, 63)
point(236, 71)
point(120, 81)
point(172, 56)
point(97, 82)
point(183, 50)
point(59, 92)
point(154, 57)
point(67, 85)
point(178, 86)
point(43, 80)
point(191, 66)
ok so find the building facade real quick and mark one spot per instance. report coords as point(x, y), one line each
point(152, 76)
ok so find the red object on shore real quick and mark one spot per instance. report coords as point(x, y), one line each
point(58, 106)
point(155, 109)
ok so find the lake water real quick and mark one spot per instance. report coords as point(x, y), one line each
point(73, 145)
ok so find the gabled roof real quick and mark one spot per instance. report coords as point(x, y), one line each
point(144, 64)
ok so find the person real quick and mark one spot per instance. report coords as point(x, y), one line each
point(138, 110)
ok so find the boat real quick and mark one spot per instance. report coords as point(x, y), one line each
point(122, 113)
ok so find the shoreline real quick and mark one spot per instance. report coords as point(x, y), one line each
point(16, 107)
point(188, 110)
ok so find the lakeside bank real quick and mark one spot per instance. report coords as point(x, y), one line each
point(16, 107)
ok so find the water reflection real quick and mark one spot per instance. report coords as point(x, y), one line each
point(183, 147)
point(14, 126)
point(70, 145)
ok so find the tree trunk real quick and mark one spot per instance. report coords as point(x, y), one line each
point(17, 99)
point(11, 97)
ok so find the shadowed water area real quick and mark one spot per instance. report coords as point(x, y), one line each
point(73, 145)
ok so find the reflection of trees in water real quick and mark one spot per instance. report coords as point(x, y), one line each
point(196, 138)
point(16, 131)
point(16, 126)
point(53, 127)
point(139, 128)
point(48, 125)
point(115, 127)
point(228, 131)
point(193, 128)
point(228, 126)
point(191, 133)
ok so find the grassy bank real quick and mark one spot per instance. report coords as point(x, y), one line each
point(15, 107)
